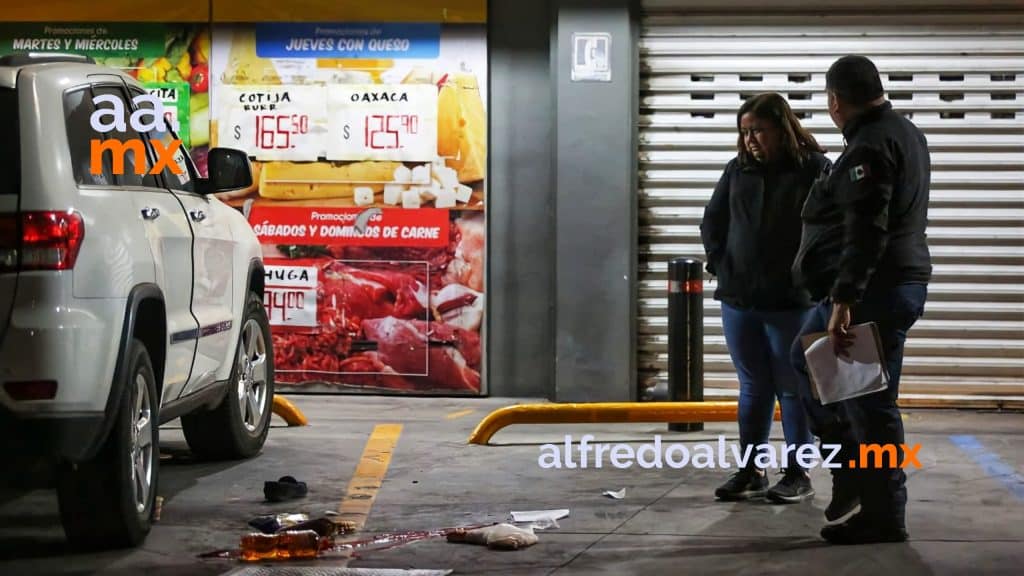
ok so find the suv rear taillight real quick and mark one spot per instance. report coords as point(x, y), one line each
point(45, 240)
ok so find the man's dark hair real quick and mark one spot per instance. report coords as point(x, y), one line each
point(855, 79)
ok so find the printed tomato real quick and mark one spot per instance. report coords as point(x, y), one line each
point(200, 79)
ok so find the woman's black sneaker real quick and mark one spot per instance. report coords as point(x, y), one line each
point(794, 487)
point(745, 484)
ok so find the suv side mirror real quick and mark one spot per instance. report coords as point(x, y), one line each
point(228, 169)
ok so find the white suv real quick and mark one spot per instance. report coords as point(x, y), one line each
point(126, 300)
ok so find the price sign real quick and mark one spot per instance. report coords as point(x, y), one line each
point(290, 295)
point(273, 122)
point(175, 98)
point(395, 122)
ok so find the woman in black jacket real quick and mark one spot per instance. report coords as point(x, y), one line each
point(751, 233)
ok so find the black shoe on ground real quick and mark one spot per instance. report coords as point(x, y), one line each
point(845, 499)
point(794, 487)
point(860, 530)
point(743, 485)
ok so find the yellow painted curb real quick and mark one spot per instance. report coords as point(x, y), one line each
point(605, 412)
point(290, 412)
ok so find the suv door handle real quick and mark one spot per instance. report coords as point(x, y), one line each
point(197, 215)
point(150, 213)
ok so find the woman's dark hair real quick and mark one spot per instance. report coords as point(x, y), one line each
point(797, 142)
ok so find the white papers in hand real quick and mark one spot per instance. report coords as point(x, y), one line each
point(839, 378)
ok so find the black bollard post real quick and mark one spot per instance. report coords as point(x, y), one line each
point(686, 335)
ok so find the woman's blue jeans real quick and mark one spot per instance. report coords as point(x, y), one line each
point(759, 343)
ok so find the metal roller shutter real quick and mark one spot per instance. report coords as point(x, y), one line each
point(960, 79)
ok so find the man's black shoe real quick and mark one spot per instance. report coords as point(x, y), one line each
point(745, 484)
point(861, 530)
point(794, 487)
point(845, 499)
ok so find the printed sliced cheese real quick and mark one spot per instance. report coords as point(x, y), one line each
point(363, 196)
point(304, 180)
point(471, 163)
point(403, 174)
point(428, 193)
point(420, 75)
point(446, 176)
point(445, 198)
point(421, 175)
point(393, 193)
point(449, 120)
point(411, 198)
point(244, 66)
point(463, 193)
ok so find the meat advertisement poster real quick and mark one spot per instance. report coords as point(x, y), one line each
point(369, 148)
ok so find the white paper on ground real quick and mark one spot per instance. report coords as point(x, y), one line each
point(539, 515)
point(839, 378)
point(617, 495)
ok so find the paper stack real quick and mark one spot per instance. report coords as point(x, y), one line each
point(835, 378)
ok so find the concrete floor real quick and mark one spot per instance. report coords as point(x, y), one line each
point(964, 517)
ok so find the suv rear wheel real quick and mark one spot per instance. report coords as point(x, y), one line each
point(238, 427)
point(108, 501)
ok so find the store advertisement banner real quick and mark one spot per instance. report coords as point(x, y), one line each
point(422, 41)
point(423, 228)
point(170, 60)
point(369, 147)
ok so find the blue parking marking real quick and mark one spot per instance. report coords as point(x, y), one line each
point(991, 464)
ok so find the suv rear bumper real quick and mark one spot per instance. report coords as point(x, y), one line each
point(54, 337)
point(65, 437)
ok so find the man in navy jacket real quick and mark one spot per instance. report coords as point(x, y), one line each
point(864, 258)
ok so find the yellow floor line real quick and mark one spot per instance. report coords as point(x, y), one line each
point(373, 466)
point(458, 414)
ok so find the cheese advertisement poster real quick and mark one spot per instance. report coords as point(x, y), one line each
point(369, 150)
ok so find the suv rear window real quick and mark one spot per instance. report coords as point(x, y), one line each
point(78, 108)
point(10, 142)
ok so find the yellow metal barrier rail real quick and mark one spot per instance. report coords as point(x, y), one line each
point(604, 412)
point(289, 412)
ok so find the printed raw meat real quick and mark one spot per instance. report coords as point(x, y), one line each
point(403, 345)
point(400, 344)
point(467, 268)
point(459, 306)
point(320, 352)
point(448, 370)
point(377, 372)
point(271, 251)
point(422, 318)
point(465, 341)
point(369, 294)
point(310, 352)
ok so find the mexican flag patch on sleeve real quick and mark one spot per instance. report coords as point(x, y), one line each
point(859, 172)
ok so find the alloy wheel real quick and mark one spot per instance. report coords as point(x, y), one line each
point(252, 376)
point(142, 444)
